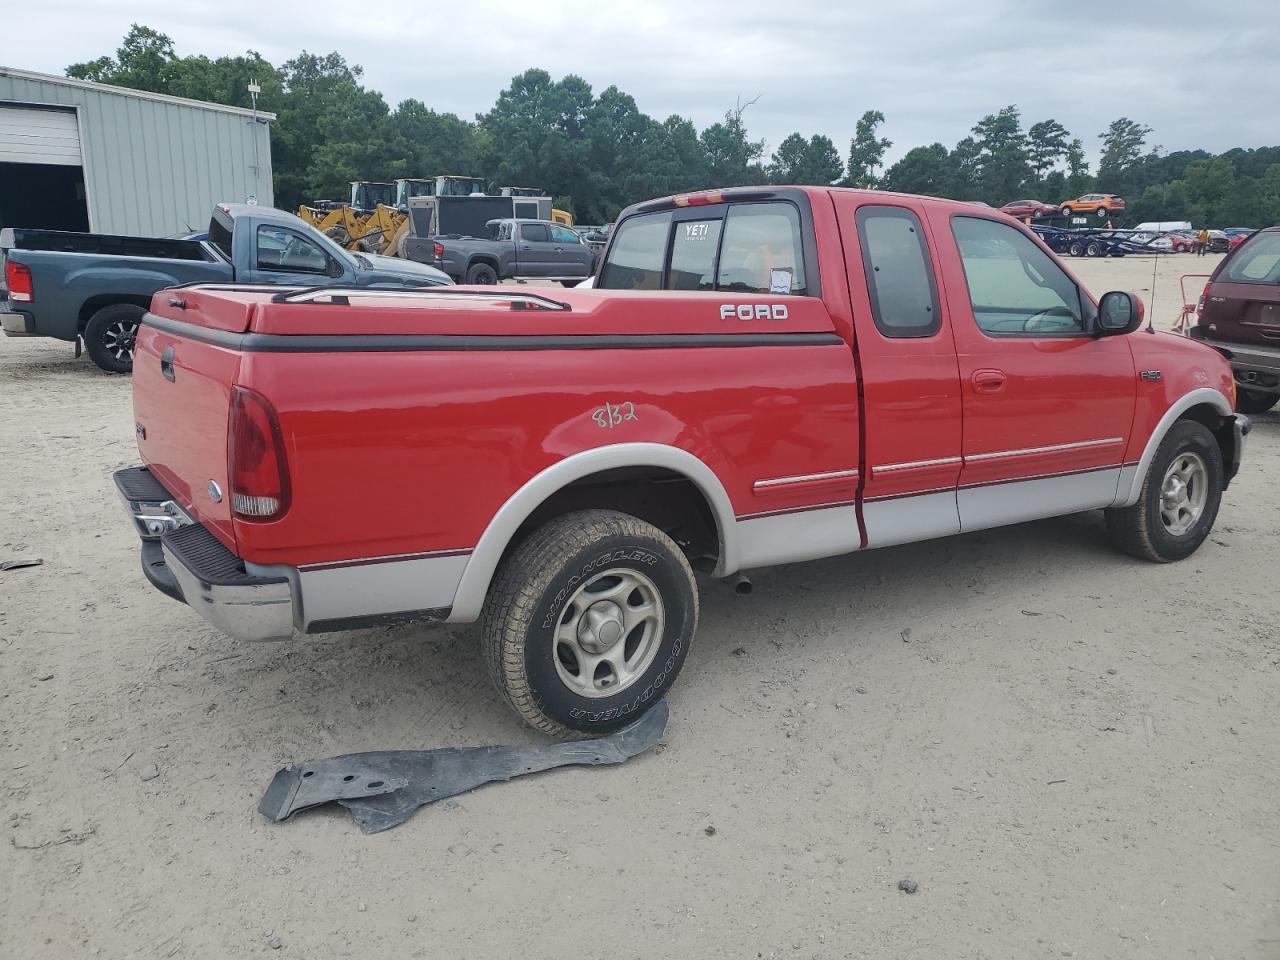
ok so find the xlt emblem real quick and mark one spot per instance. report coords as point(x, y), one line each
point(754, 311)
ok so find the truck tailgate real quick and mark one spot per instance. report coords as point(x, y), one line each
point(182, 382)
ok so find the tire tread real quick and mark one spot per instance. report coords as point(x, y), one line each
point(515, 591)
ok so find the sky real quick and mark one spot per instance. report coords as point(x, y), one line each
point(933, 67)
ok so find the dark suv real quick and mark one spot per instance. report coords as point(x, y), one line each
point(1240, 315)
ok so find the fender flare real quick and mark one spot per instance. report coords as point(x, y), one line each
point(1127, 496)
point(474, 585)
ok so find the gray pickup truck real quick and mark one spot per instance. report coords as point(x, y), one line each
point(94, 288)
point(516, 250)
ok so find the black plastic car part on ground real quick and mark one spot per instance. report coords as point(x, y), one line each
point(383, 789)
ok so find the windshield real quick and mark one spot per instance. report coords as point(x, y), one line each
point(1258, 261)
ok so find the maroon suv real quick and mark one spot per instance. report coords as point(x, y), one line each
point(1240, 315)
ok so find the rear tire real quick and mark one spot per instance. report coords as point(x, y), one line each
point(481, 274)
point(1093, 250)
point(591, 602)
point(1101, 213)
point(1255, 401)
point(1067, 211)
point(1172, 516)
point(1076, 249)
point(110, 334)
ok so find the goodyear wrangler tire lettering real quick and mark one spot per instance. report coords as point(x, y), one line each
point(555, 665)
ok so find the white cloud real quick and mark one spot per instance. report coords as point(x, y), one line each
point(933, 67)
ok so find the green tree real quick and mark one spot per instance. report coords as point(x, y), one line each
point(1122, 150)
point(733, 160)
point(1078, 179)
point(866, 151)
point(813, 161)
point(928, 170)
point(142, 62)
point(1046, 145)
point(1002, 165)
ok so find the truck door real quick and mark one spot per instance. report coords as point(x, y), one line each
point(282, 255)
point(535, 253)
point(910, 381)
point(1048, 407)
point(572, 258)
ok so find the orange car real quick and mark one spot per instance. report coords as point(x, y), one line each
point(1101, 205)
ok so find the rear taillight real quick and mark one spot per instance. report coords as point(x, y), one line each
point(17, 277)
point(437, 250)
point(1204, 295)
point(259, 474)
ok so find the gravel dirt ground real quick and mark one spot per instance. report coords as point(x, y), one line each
point(1072, 753)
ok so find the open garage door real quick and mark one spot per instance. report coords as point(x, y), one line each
point(41, 178)
point(31, 135)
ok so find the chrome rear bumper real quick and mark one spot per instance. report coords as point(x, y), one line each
point(184, 560)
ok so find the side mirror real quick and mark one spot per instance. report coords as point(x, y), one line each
point(1119, 313)
point(334, 269)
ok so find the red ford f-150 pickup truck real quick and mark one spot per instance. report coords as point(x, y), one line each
point(761, 376)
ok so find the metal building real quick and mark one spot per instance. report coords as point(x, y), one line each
point(76, 155)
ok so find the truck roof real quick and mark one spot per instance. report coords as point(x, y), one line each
point(771, 192)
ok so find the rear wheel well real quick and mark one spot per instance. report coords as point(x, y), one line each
point(94, 304)
point(670, 501)
point(1222, 429)
point(486, 259)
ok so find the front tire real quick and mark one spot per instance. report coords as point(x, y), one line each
point(588, 622)
point(110, 334)
point(1179, 500)
point(1255, 401)
point(1076, 249)
point(1066, 211)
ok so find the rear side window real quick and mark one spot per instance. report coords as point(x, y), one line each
point(534, 232)
point(904, 300)
point(693, 255)
point(1015, 288)
point(637, 254)
point(564, 235)
point(1258, 261)
point(761, 251)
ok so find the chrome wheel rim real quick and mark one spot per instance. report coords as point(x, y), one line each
point(608, 633)
point(118, 340)
point(1183, 493)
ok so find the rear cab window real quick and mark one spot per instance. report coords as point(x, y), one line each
point(1257, 261)
point(743, 247)
point(900, 283)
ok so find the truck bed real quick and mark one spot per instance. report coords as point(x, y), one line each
point(61, 241)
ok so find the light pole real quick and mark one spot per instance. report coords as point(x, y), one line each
point(254, 89)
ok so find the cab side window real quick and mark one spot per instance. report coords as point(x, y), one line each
point(279, 249)
point(1015, 288)
point(904, 299)
point(761, 251)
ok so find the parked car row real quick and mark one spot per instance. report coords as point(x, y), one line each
point(1100, 205)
